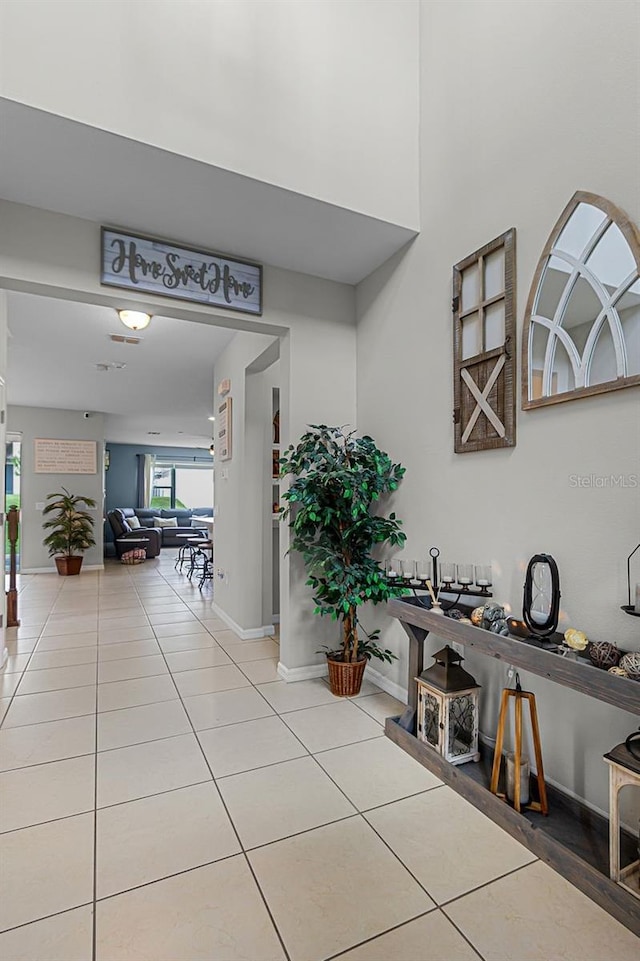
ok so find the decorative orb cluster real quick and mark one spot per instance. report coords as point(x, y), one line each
point(618, 671)
point(604, 654)
point(631, 664)
point(476, 616)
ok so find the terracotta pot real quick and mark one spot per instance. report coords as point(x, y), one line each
point(68, 565)
point(345, 677)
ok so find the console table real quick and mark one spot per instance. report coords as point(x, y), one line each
point(573, 839)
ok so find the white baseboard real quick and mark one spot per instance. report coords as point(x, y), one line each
point(52, 570)
point(395, 690)
point(302, 673)
point(252, 634)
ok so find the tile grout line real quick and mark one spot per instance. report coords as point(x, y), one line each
point(94, 918)
point(375, 937)
point(231, 821)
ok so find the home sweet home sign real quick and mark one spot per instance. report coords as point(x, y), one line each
point(153, 266)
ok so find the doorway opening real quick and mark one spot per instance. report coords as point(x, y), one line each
point(12, 469)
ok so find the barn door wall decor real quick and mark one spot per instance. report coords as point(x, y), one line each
point(484, 357)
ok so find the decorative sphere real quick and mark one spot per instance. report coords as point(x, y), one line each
point(631, 664)
point(618, 671)
point(455, 614)
point(576, 640)
point(603, 654)
point(476, 616)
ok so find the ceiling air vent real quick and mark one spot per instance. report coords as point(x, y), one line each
point(123, 339)
point(110, 365)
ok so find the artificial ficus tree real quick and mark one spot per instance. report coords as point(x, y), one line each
point(339, 479)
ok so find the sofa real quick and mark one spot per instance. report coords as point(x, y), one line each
point(123, 533)
point(182, 521)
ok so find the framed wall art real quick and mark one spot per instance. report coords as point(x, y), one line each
point(484, 291)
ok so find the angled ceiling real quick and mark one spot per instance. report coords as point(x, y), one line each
point(166, 385)
point(60, 165)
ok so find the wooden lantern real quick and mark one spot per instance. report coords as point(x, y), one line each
point(448, 708)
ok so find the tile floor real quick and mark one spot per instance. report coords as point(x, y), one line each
point(165, 797)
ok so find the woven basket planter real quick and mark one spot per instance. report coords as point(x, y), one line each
point(345, 678)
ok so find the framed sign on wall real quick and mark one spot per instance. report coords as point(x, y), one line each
point(154, 266)
point(65, 456)
point(223, 446)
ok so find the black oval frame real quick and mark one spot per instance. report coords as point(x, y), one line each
point(551, 623)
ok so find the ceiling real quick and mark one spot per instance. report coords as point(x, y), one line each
point(166, 385)
point(61, 165)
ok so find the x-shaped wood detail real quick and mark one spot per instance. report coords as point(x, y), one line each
point(482, 403)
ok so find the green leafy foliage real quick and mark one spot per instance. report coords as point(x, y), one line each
point(337, 479)
point(71, 528)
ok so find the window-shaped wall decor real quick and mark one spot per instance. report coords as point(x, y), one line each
point(484, 347)
point(582, 322)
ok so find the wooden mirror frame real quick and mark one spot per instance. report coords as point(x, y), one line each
point(632, 236)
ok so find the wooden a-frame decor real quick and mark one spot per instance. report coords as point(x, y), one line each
point(582, 321)
point(484, 291)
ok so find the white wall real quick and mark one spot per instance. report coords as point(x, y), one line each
point(239, 486)
point(34, 422)
point(317, 383)
point(4, 652)
point(319, 97)
point(553, 109)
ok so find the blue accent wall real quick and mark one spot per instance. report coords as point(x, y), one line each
point(122, 477)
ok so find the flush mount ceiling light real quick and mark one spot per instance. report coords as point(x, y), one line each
point(210, 418)
point(134, 319)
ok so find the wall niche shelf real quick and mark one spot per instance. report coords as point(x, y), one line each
point(573, 839)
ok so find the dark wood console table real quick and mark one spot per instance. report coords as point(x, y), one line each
point(572, 839)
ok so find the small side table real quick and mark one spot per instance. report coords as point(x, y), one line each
point(624, 769)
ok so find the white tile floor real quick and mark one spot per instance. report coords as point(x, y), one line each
point(166, 797)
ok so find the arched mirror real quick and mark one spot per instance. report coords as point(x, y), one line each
point(582, 321)
point(541, 603)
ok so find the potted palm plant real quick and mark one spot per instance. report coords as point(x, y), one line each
point(70, 530)
point(338, 479)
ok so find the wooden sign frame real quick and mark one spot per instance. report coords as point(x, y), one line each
point(150, 265)
point(484, 383)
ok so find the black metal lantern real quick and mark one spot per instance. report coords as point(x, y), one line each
point(631, 608)
point(448, 708)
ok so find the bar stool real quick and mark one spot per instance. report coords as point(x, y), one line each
point(207, 564)
point(198, 558)
point(184, 551)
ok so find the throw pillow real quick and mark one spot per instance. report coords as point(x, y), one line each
point(165, 522)
point(134, 523)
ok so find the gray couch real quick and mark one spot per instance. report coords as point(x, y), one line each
point(186, 522)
